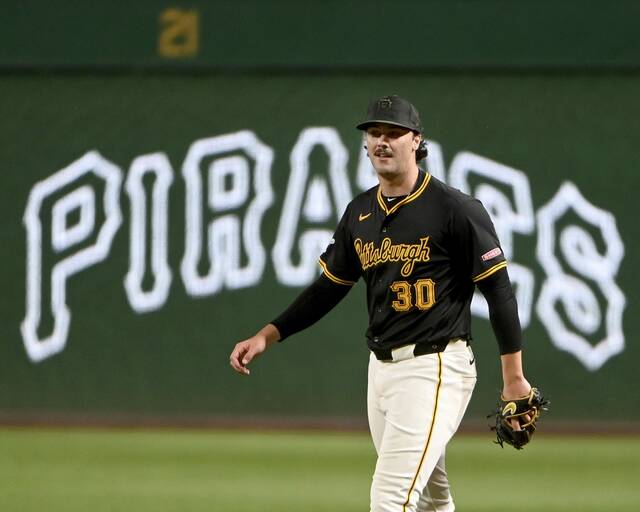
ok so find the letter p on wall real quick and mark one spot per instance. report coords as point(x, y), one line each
point(70, 218)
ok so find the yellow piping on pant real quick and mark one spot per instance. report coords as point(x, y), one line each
point(433, 421)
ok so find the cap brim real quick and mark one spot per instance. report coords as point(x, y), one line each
point(366, 124)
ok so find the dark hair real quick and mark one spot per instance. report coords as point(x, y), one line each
point(422, 151)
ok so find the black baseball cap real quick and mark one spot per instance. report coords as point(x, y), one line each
point(392, 110)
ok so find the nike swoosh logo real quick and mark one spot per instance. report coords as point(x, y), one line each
point(472, 360)
point(363, 217)
point(509, 409)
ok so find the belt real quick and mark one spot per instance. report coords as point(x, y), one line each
point(419, 349)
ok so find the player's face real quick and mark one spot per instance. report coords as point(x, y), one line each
point(391, 148)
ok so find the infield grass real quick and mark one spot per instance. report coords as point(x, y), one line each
point(179, 470)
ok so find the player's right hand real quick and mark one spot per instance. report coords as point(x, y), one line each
point(245, 351)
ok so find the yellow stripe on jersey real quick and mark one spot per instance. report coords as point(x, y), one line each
point(332, 277)
point(406, 200)
point(489, 272)
point(433, 421)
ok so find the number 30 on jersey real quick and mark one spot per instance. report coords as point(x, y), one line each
point(422, 294)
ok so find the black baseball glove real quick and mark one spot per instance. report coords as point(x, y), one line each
point(525, 411)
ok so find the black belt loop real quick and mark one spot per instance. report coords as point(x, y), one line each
point(424, 348)
point(383, 354)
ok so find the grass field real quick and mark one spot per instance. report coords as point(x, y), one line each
point(174, 470)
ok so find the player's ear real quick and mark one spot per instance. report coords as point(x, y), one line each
point(417, 139)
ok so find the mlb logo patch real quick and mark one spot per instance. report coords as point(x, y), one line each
point(491, 254)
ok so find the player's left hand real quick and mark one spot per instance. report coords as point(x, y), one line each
point(516, 417)
point(512, 391)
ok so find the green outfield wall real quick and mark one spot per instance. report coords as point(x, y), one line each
point(150, 222)
point(324, 34)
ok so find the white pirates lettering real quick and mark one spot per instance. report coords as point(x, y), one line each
point(505, 193)
point(228, 187)
point(410, 254)
point(72, 216)
point(156, 242)
point(308, 217)
point(73, 247)
point(577, 272)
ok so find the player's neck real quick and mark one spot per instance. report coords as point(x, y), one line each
point(400, 184)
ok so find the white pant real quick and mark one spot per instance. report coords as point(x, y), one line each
point(415, 405)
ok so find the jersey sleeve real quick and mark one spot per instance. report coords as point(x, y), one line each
point(339, 261)
point(476, 241)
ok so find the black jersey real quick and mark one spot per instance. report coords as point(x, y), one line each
point(420, 256)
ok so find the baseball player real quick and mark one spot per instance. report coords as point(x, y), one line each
point(421, 247)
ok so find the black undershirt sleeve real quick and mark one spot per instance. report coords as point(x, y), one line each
point(312, 304)
point(503, 311)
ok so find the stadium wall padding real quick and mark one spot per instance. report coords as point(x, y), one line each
point(151, 221)
point(327, 35)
